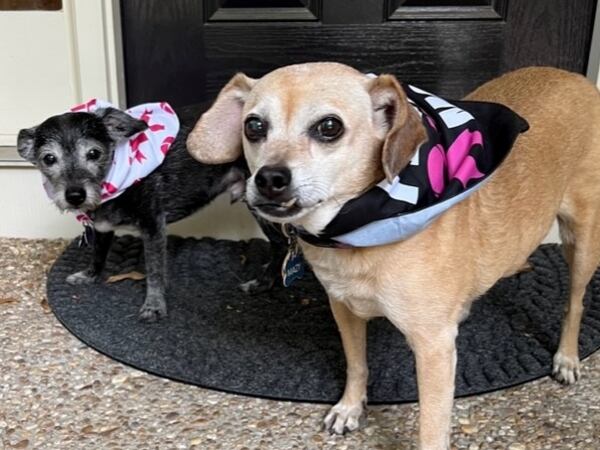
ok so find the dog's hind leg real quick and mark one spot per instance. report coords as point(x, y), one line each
point(155, 253)
point(102, 243)
point(579, 225)
point(272, 272)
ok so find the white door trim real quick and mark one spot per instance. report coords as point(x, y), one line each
point(593, 70)
point(96, 49)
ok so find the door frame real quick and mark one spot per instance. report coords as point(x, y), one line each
point(96, 49)
point(593, 70)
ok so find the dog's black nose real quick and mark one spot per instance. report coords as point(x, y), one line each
point(75, 196)
point(272, 181)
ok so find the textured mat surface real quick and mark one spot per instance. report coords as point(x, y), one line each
point(285, 344)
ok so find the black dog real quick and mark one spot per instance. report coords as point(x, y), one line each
point(74, 152)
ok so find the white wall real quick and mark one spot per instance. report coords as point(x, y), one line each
point(26, 56)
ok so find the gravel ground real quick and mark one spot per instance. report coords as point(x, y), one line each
point(56, 393)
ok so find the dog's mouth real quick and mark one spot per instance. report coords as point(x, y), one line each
point(85, 207)
point(279, 209)
point(91, 203)
point(283, 210)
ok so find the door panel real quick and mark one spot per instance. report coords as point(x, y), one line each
point(185, 50)
point(446, 9)
point(265, 10)
point(411, 52)
point(549, 32)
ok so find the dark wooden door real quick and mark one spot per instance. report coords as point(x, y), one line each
point(184, 51)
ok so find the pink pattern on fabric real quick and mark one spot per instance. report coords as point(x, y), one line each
point(436, 162)
point(457, 162)
point(152, 127)
point(460, 164)
point(108, 189)
point(82, 217)
point(156, 127)
point(135, 142)
point(139, 157)
point(88, 106)
point(146, 116)
point(431, 122)
point(166, 144)
point(166, 107)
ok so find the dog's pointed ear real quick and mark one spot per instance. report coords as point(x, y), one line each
point(217, 137)
point(399, 124)
point(121, 125)
point(25, 143)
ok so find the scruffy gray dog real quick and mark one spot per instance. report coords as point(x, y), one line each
point(75, 150)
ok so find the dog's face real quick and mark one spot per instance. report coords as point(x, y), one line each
point(74, 152)
point(314, 135)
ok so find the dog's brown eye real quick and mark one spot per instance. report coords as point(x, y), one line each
point(49, 159)
point(255, 128)
point(93, 154)
point(329, 129)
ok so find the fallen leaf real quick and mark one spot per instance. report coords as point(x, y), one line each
point(5, 301)
point(45, 306)
point(106, 431)
point(126, 276)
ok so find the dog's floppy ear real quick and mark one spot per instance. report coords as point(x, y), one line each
point(217, 137)
point(121, 125)
point(25, 141)
point(399, 124)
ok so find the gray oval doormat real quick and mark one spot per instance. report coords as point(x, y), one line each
point(284, 344)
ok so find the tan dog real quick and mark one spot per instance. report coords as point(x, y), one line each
point(326, 133)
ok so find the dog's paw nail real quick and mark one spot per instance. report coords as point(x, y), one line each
point(152, 314)
point(248, 286)
point(256, 286)
point(342, 418)
point(79, 278)
point(566, 369)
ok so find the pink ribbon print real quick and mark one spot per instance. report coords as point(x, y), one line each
point(139, 155)
point(456, 163)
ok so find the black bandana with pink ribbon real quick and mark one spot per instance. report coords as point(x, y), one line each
point(467, 141)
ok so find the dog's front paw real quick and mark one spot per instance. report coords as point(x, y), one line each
point(258, 285)
point(153, 309)
point(343, 417)
point(566, 369)
point(81, 278)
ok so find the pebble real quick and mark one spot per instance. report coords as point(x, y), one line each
point(517, 446)
point(77, 398)
point(119, 379)
point(468, 429)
